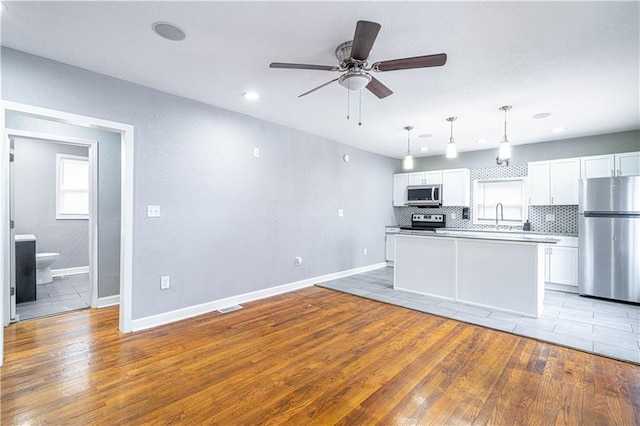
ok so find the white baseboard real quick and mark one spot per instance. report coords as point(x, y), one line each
point(561, 287)
point(70, 271)
point(103, 302)
point(204, 308)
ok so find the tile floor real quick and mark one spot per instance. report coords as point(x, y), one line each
point(592, 325)
point(67, 293)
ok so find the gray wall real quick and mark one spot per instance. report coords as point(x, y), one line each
point(230, 223)
point(108, 193)
point(35, 202)
point(521, 154)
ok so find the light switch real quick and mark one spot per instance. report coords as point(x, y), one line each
point(551, 218)
point(165, 282)
point(153, 211)
point(256, 152)
point(340, 212)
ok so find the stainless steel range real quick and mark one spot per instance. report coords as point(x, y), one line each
point(427, 222)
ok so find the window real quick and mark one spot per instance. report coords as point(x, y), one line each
point(72, 187)
point(510, 192)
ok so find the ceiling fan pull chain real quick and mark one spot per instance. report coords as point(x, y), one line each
point(360, 108)
point(348, 108)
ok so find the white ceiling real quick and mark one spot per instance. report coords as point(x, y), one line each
point(576, 60)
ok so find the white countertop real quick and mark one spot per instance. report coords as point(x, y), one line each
point(513, 237)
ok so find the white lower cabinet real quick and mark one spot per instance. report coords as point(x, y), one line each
point(561, 264)
point(390, 247)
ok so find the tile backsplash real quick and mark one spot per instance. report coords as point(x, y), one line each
point(566, 217)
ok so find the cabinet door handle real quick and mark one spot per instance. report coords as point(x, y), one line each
point(550, 250)
point(551, 200)
point(546, 250)
point(619, 172)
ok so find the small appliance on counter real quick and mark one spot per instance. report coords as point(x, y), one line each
point(427, 222)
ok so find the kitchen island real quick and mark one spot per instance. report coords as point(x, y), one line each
point(503, 272)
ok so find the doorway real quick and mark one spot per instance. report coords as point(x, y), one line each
point(54, 216)
point(126, 137)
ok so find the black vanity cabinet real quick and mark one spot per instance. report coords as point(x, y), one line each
point(25, 271)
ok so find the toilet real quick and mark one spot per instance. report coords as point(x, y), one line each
point(43, 267)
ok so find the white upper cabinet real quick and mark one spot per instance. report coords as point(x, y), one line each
point(539, 183)
point(597, 166)
point(400, 189)
point(565, 181)
point(628, 164)
point(456, 187)
point(426, 178)
point(554, 182)
point(625, 164)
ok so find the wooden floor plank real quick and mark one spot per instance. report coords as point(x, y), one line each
point(313, 356)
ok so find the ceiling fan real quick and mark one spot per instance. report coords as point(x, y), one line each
point(352, 58)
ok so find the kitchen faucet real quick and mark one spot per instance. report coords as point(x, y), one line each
point(501, 213)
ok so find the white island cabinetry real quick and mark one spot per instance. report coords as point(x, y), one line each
point(502, 274)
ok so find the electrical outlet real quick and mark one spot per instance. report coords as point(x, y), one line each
point(298, 261)
point(165, 283)
point(153, 211)
point(550, 217)
point(365, 252)
point(454, 216)
point(256, 152)
point(340, 212)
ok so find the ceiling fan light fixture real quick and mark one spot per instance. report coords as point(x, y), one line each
point(452, 151)
point(407, 164)
point(355, 80)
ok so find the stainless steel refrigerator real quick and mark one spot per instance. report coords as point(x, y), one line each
point(609, 238)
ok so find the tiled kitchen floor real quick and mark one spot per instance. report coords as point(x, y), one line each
point(588, 324)
point(64, 294)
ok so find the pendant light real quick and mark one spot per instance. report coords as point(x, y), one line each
point(504, 152)
point(452, 152)
point(408, 160)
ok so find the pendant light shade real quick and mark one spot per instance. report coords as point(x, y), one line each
point(407, 164)
point(504, 152)
point(452, 151)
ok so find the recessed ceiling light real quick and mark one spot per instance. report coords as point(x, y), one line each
point(425, 135)
point(252, 96)
point(481, 141)
point(541, 115)
point(559, 129)
point(169, 31)
point(424, 148)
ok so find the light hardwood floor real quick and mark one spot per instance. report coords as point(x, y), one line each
point(313, 356)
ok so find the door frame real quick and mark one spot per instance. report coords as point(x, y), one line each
point(93, 159)
point(126, 132)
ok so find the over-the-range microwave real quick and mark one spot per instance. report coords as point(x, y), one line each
point(424, 195)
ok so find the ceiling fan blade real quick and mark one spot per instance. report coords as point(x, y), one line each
point(319, 87)
point(407, 63)
point(304, 66)
point(365, 35)
point(378, 89)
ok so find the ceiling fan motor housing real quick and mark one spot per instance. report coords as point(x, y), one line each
point(343, 53)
